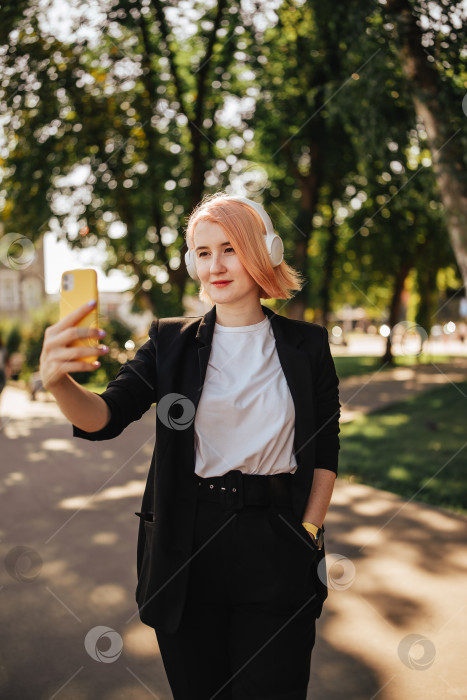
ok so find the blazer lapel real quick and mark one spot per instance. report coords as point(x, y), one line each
point(296, 366)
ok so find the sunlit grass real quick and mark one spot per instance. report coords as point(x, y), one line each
point(347, 366)
point(416, 448)
point(96, 388)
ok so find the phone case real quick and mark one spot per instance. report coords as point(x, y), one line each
point(78, 287)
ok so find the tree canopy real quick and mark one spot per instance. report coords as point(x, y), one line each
point(344, 120)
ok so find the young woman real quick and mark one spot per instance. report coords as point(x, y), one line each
point(230, 561)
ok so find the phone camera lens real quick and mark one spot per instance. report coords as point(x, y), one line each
point(67, 282)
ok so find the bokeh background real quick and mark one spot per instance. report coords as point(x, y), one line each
point(348, 122)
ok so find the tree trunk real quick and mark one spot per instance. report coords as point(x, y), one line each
point(125, 213)
point(446, 152)
point(329, 260)
point(395, 308)
point(426, 277)
point(330, 255)
point(309, 185)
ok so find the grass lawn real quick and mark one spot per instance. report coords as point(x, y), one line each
point(97, 388)
point(416, 448)
point(348, 366)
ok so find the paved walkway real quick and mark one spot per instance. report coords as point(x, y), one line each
point(397, 568)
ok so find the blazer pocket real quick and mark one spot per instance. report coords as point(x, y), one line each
point(145, 557)
point(147, 516)
point(318, 575)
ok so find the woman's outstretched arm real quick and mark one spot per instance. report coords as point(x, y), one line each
point(83, 408)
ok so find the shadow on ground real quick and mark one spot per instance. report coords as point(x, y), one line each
point(72, 503)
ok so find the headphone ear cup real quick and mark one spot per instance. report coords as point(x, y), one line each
point(277, 250)
point(190, 264)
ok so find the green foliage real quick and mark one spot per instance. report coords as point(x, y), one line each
point(338, 116)
point(32, 337)
point(118, 334)
point(10, 334)
point(13, 340)
point(112, 139)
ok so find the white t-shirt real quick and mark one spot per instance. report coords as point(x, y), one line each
point(246, 416)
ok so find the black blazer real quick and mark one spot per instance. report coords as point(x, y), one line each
point(174, 361)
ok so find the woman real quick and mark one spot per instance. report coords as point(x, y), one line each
point(230, 535)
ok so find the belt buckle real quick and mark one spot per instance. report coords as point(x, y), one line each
point(232, 490)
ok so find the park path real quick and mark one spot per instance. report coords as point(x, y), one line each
point(402, 567)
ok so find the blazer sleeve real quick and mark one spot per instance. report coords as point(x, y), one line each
point(131, 393)
point(327, 409)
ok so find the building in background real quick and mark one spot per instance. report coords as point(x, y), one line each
point(22, 290)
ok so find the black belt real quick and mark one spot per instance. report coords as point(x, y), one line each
point(236, 489)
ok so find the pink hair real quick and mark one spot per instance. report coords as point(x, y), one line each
point(247, 234)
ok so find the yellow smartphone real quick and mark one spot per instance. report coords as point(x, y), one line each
point(78, 287)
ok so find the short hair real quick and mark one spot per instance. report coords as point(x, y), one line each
point(247, 234)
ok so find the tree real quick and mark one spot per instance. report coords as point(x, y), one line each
point(123, 130)
point(119, 131)
point(331, 123)
point(432, 54)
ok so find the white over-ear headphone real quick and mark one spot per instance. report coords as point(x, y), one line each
point(274, 244)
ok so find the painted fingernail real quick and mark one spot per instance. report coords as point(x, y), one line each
point(101, 333)
point(96, 364)
point(104, 348)
point(92, 302)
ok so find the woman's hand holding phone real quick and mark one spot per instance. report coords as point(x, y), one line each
point(59, 357)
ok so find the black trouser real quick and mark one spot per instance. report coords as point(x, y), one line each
point(248, 626)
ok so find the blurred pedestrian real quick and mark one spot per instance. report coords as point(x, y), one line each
point(462, 331)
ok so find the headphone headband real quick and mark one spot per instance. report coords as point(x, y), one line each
point(259, 210)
